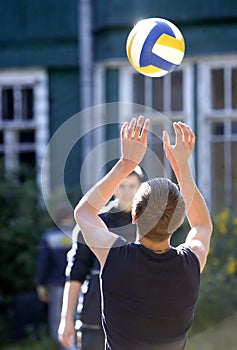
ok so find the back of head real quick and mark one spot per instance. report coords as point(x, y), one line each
point(159, 209)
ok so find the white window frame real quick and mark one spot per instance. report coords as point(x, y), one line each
point(37, 79)
point(125, 97)
point(186, 115)
point(206, 114)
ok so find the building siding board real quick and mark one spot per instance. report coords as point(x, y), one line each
point(27, 20)
point(206, 29)
point(121, 13)
point(64, 103)
point(200, 39)
point(38, 33)
point(45, 34)
point(64, 96)
point(47, 56)
point(204, 39)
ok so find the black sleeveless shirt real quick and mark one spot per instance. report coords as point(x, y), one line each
point(148, 299)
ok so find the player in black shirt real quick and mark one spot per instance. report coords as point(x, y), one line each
point(82, 264)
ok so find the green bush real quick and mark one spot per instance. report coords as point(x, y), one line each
point(217, 299)
point(219, 283)
point(22, 221)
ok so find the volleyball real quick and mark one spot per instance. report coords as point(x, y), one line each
point(155, 47)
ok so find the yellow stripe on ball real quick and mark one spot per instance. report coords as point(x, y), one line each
point(149, 69)
point(129, 49)
point(170, 41)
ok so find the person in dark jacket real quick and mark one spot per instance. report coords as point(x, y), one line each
point(51, 264)
point(84, 266)
point(149, 288)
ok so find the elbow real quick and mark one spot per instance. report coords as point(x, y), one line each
point(78, 212)
point(207, 226)
point(210, 228)
point(83, 212)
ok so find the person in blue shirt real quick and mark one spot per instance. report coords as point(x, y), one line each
point(51, 264)
point(149, 288)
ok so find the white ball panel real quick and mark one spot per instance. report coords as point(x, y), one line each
point(168, 53)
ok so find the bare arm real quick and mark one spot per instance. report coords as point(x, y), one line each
point(198, 239)
point(66, 331)
point(95, 232)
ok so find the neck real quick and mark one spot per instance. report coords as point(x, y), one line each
point(159, 248)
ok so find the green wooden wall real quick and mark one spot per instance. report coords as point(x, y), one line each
point(114, 12)
point(45, 34)
point(208, 26)
point(64, 103)
point(38, 33)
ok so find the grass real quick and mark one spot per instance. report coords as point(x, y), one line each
point(222, 336)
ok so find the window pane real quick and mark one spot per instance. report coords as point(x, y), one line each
point(2, 159)
point(27, 158)
point(27, 103)
point(1, 148)
point(1, 137)
point(218, 128)
point(158, 94)
point(138, 90)
point(234, 127)
point(27, 162)
point(177, 91)
point(217, 179)
point(217, 88)
point(7, 104)
point(234, 176)
point(27, 136)
point(234, 88)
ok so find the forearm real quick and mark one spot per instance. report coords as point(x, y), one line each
point(196, 208)
point(70, 299)
point(94, 230)
point(100, 194)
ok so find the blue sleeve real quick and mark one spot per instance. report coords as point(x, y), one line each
point(80, 261)
point(43, 262)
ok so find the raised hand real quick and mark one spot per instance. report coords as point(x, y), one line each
point(134, 139)
point(179, 153)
